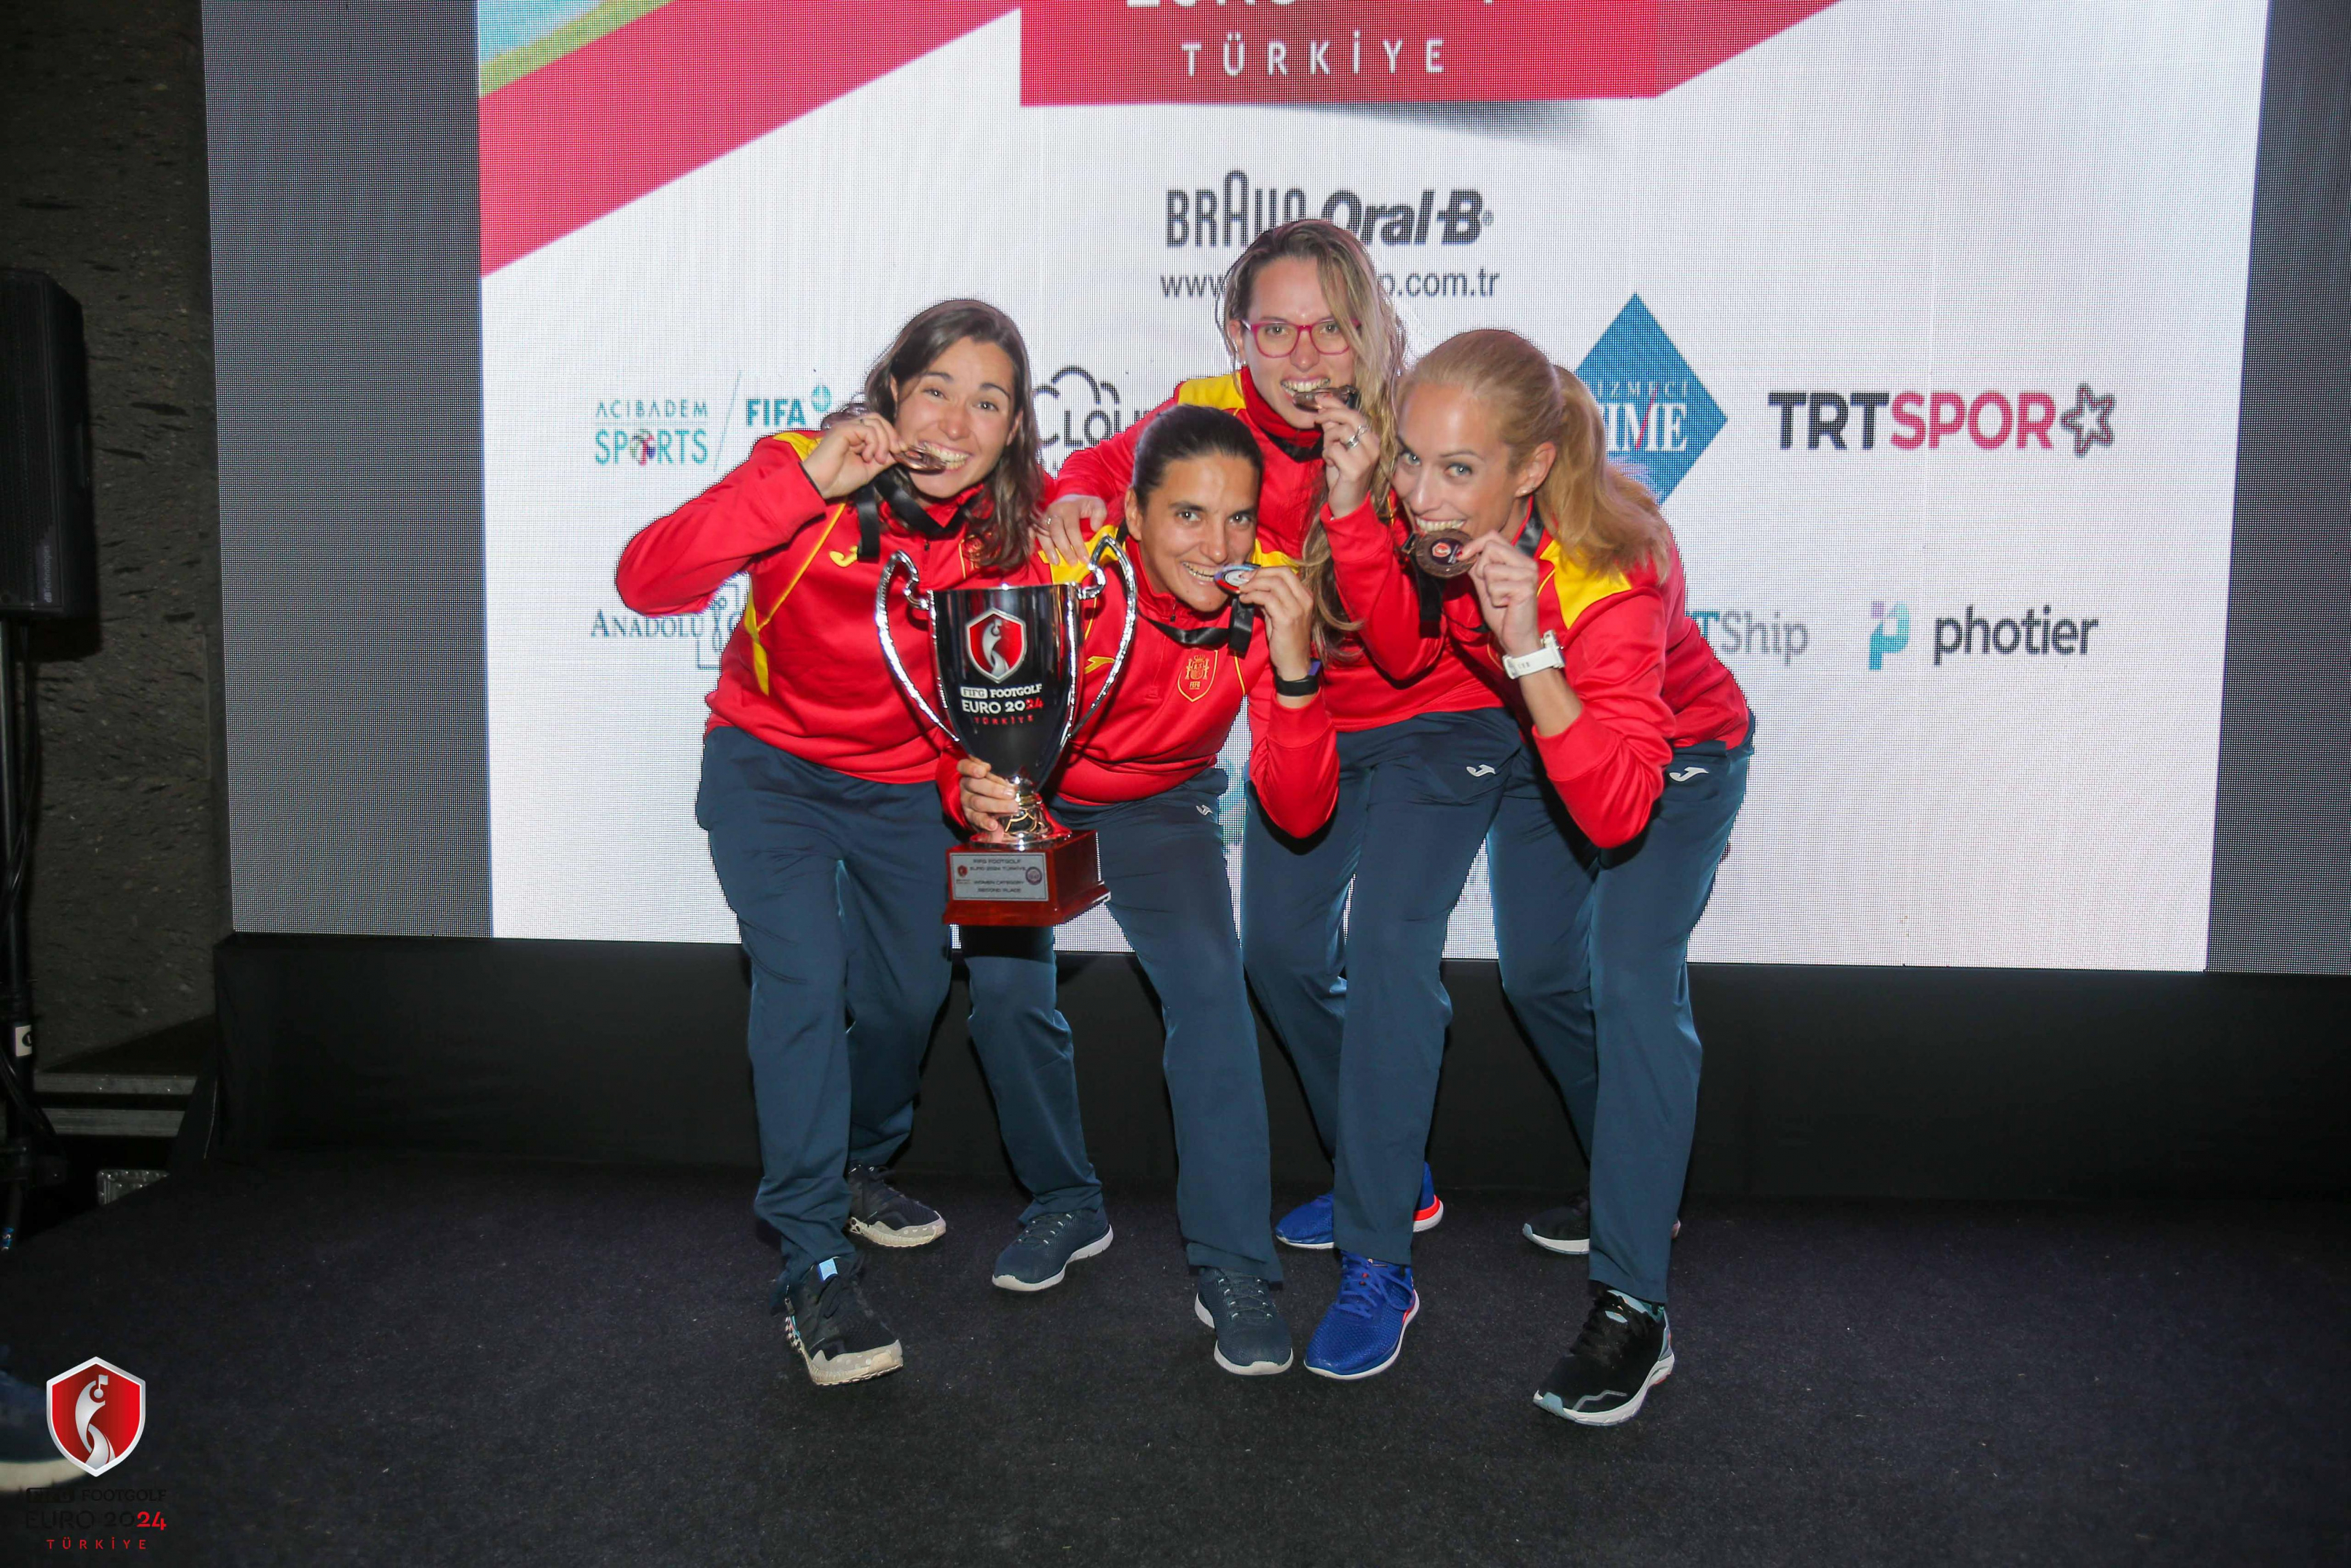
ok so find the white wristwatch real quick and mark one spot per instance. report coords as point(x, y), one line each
point(1546, 657)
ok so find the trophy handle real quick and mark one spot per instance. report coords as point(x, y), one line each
point(1093, 588)
point(915, 599)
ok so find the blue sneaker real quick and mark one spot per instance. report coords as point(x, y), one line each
point(1362, 1332)
point(1308, 1226)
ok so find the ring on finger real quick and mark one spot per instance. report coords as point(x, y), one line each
point(1353, 437)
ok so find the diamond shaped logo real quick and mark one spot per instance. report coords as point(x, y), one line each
point(1659, 417)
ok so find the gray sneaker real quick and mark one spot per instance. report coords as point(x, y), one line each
point(1041, 1254)
point(1251, 1337)
point(834, 1328)
point(887, 1216)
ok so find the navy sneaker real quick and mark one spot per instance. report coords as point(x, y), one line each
point(1363, 1334)
point(1308, 1226)
point(1041, 1254)
point(1252, 1339)
point(887, 1216)
point(28, 1455)
point(837, 1333)
point(1623, 1352)
point(1568, 1228)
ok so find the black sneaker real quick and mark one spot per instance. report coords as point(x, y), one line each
point(1621, 1354)
point(887, 1216)
point(837, 1333)
point(1568, 1228)
point(1037, 1258)
point(1251, 1337)
point(28, 1455)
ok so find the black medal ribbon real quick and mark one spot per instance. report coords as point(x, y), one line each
point(1305, 448)
point(890, 487)
point(1432, 601)
point(1239, 623)
point(1530, 538)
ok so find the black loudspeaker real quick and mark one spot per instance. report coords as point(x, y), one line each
point(48, 532)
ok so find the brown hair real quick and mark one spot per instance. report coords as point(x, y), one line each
point(1601, 514)
point(1016, 487)
point(1190, 430)
point(1351, 286)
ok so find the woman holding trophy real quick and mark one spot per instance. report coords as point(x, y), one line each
point(1554, 568)
point(1223, 622)
point(1360, 1005)
point(819, 785)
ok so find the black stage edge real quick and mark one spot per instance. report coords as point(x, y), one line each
point(1943, 1083)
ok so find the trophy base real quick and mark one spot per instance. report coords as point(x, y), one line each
point(999, 884)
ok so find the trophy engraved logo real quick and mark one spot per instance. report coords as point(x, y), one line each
point(994, 643)
point(1007, 673)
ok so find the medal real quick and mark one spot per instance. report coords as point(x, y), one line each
point(1235, 574)
point(1439, 553)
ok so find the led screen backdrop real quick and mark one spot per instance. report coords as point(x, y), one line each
point(1926, 320)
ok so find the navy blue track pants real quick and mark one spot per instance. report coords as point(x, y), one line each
point(839, 889)
point(1163, 859)
point(1594, 947)
point(1362, 1007)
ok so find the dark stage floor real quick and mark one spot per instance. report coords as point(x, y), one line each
point(410, 1361)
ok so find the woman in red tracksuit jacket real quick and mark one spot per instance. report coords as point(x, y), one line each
point(1142, 777)
point(1360, 1005)
point(818, 780)
point(1601, 859)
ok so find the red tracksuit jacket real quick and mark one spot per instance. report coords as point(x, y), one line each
point(1358, 692)
point(1168, 717)
point(803, 671)
point(1649, 681)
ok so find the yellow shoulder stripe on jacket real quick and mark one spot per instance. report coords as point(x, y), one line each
point(1214, 391)
point(801, 442)
point(1260, 556)
point(1066, 573)
point(1578, 589)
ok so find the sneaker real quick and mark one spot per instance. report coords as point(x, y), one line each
point(887, 1216)
point(1622, 1353)
point(1362, 1332)
point(28, 1455)
point(1041, 1254)
point(1308, 1226)
point(1568, 1228)
point(836, 1331)
point(1252, 1339)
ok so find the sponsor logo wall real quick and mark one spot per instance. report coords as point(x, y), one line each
point(1926, 320)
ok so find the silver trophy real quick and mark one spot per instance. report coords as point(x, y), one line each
point(1006, 669)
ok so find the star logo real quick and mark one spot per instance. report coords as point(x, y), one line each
point(2076, 420)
